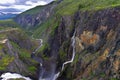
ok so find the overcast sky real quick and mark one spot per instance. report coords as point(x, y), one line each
point(17, 6)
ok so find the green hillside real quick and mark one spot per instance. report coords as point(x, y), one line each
point(8, 23)
point(35, 10)
point(67, 7)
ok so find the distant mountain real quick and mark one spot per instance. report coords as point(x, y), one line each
point(4, 16)
point(2, 13)
point(35, 16)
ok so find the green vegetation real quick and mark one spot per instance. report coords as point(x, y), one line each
point(47, 28)
point(114, 79)
point(8, 23)
point(62, 54)
point(1, 46)
point(23, 53)
point(102, 75)
point(2, 36)
point(5, 61)
point(43, 47)
point(25, 56)
point(32, 69)
point(17, 79)
point(33, 10)
point(42, 51)
point(68, 7)
point(76, 58)
point(83, 79)
point(64, 50)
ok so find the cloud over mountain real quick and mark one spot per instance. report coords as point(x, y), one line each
point(17, 6)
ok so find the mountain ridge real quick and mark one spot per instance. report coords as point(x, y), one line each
point(5, 16)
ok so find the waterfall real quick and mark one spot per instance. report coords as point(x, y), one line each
point(73, 53)
point(56, 76)
point(48, 74)
point(53, 78)
point(73, 56)
point(51, 75)
point(8, 75)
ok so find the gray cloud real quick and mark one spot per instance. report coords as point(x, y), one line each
point(23, 2)
point(7, 7)
point(10, 10)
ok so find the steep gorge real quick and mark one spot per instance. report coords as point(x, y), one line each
point(96, 51)
point(97, 45)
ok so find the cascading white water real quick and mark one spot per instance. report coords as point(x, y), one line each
point(73, 55)
point(56, 76)
point(8, 75)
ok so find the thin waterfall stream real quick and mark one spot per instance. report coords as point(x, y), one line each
point(73, 53)
point(72, 59)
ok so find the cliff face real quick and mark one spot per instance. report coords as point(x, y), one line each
point(97, 45)
point(36, 16)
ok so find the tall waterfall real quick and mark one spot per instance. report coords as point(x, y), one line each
point(73, 56)
point(51, 75)
point(73, 53)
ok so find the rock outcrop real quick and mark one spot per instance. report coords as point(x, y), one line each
point(15, 53)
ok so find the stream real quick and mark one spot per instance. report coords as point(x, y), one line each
point(73, 53)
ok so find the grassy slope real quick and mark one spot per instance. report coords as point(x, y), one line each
point(69, 7)
point(33, 10)
point(47, 27)
point(24, 54)
point(8, 23)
